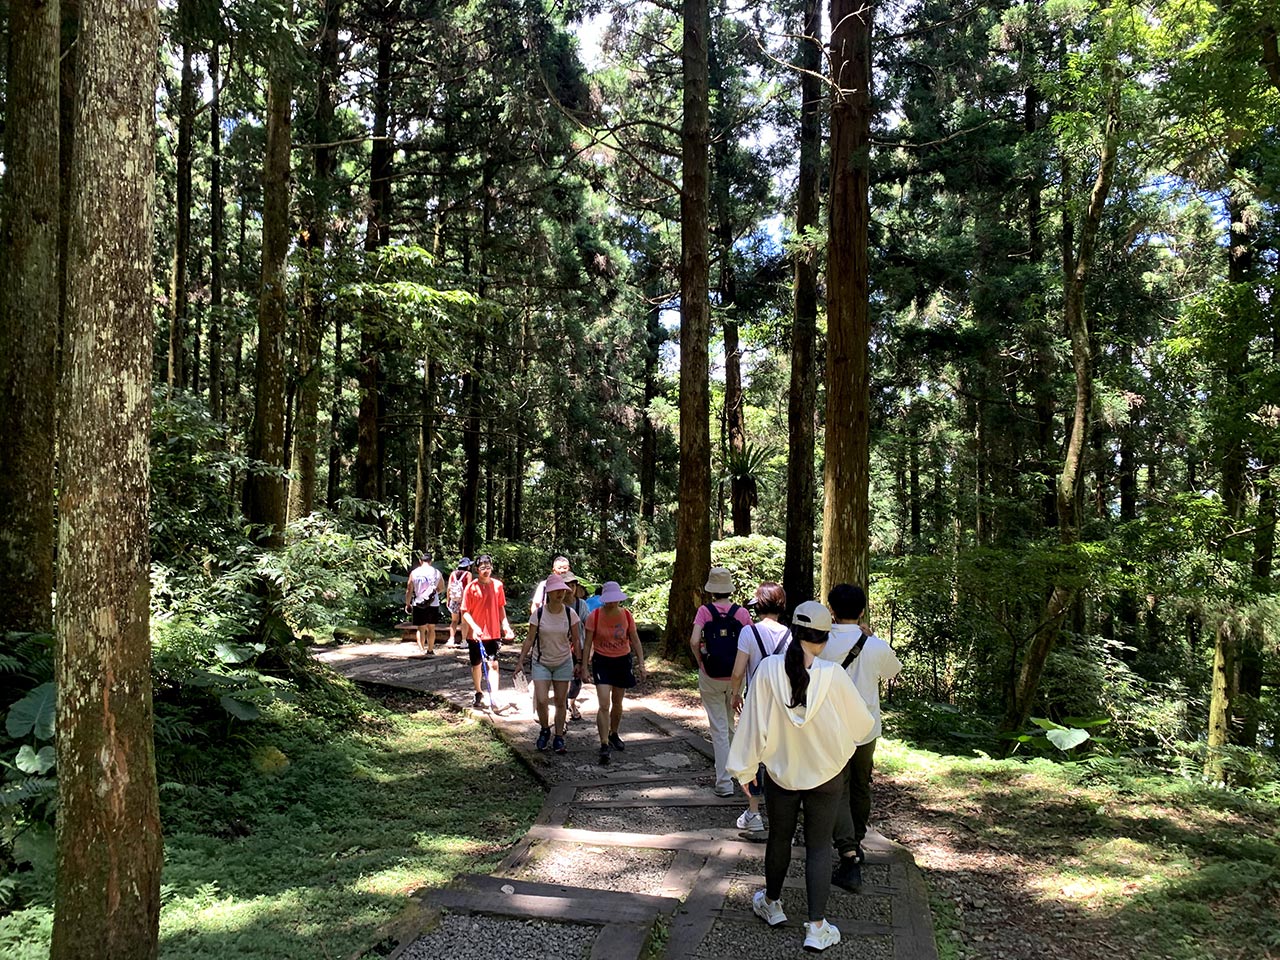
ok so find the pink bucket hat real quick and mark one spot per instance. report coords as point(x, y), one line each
point(555, 582)
point(611, 592)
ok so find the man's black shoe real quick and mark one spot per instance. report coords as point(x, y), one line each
point(848, 874)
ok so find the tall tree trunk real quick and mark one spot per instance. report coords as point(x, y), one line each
point(369, 452)
point(1226, 653)
point(217, 239)
point(334, 491)
point(302, 490)
point(797, 570)
point(264, 502)
point(178, 300)
point(29, 295)
point(1076, 266)
point(426, 451)
point(846, 542)
point(107, 901)
point(648, 432)
point(693, 534)
point(742, 487)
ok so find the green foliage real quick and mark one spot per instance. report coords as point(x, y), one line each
point(752, 560)
point(28, 785)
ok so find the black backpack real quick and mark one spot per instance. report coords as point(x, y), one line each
point(720, 638)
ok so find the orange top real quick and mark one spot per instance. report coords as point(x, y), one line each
point(611, 634)
point(487, 604)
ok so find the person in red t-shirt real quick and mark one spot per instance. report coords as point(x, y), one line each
point(612, 638)
point(484, 611)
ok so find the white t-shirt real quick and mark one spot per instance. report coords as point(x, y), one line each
point(426, 585)
point(876, 662)
point(552, 644)
point(773, 635)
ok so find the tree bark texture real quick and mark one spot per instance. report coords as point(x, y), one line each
point(1076, 266)
point(846, 543)
point(302, 489)
point(29, 296)
point(693, 521)
point(369, 452)
point(426, 451)
point(107, 902)
point(264, 494)
point(217, 236)
point(178, 300)
point(797, 570)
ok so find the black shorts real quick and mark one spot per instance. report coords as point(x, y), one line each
point(426, 614)
point(490, 650)
point(612, 671)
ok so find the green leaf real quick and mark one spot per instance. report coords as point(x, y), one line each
point(1046, 724)
point(239, 709)
point(1066, 739)
point(34, 713)
point(29, 761)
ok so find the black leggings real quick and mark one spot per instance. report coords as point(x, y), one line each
point(820, 804)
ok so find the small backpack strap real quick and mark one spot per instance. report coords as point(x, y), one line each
point(759, 642)
point(853, 654)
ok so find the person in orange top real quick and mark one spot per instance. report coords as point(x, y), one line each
point(612, 638)
point(484, 611)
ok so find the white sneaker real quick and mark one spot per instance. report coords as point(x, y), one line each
point(750, 821)
point(770, 911)
point(818, 938)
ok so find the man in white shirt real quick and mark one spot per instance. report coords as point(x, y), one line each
point(868, 660)
point(422, 601)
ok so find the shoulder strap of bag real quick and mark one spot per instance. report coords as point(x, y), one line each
point(759, 642)
point(853, 654)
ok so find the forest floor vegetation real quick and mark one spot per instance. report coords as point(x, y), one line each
point(305, 842)
point(1029, 859)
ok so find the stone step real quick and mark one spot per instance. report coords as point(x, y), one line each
point(479, 893)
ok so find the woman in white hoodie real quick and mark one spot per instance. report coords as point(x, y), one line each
point(801, 718)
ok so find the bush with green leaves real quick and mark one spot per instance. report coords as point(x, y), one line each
point(752, 560)
point(28, 785)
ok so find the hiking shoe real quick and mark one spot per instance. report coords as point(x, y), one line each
point(615, 741)
point(479, 700)
point(818, 938)
point(724, 791)
point(770, 911)
point(544, 735)
point(558, 744)
point(750, 821)
point(848, 874)
point(604, 754)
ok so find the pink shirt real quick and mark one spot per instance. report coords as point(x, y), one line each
point(743, 616)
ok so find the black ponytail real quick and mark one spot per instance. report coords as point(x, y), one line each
point(794, 663)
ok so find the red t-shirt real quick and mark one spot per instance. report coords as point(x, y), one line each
point(487, 604)
point(611, 633)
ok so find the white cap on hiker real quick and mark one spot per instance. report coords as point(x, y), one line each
point(719, 580)
point(611, 592)
point(813, 615)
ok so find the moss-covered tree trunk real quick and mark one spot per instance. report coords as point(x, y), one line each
point(29, 315)
point(797, 570)
point(846, 541)
point(107, 903)
point(693, 521)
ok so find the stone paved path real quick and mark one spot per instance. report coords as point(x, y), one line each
point(635, 856)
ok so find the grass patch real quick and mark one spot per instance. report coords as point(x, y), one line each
point(1175, 868)
point(306, 856)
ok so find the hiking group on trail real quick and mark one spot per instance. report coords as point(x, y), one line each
point(807, 699)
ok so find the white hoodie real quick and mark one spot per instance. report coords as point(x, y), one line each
point(801, 747)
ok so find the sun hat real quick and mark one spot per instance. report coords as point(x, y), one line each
point(555, 582)
point(611, 592)
point(568, 578)
point(812, 614)
point(484, 558)
point(719, 580)
point(464, 562)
